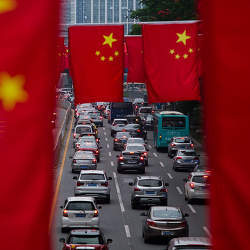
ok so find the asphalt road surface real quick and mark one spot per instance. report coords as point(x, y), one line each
point(118, 221)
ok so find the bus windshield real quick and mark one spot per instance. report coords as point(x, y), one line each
point(173, 122)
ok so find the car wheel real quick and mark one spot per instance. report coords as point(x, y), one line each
point(133, 205)
point(146, 240)
point(146, 163)
point(108, 199)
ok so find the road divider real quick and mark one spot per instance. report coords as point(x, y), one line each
point(162, 165)
point(170, 176)
point(118, 193)
point(207, 231)
point(192, 208)
point(179, 190)
point(127, 231)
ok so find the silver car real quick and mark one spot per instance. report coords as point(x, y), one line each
point(149, 190)
point(190, 243)
point(79, 212)
point(197, 186)
point(118, 125)
point(83, 160)
point(94, 183)
point(139, 148)
point(179, 143)
point(82, 130)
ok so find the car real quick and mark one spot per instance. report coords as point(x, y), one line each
point(137, 140)
point(139, 148)
point(197, 186)
point(190, 243)
point(118, 126)
point(148, 191)
point(90, 146)
point(130, 161)
point(93, 183)
point(148, 121)
point(81, 130)
point(179, 143)
point(83, 160)
point(79, 212)
point(88, 238)
point(185, 159)
point(135, 130)
point(97, 119)
point(120, 140)
point(134, 119)
point(86, 138)
point(144, 111)
point(164, 221)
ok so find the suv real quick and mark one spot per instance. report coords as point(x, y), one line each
point(79, 212)
point(83, 160)
point(179, 143)
point(81, 130)
point(130, 161)
point(149, 190)
point(120, 140)
point(93, 183)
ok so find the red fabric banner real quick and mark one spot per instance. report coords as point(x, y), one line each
point(170, 60)
point(135, 59)
point(227, 101)
point(27, 92)
point(96, 62)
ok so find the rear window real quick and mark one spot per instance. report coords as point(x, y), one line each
point(150, 183)
point(86, 177)
point(84, 155)
point(135, 148)
point(135, 140)
point(167, 214)
point(182, 140)
point(201, 179)
point(85, 239)
point(80, 205)
point(80, 130)
point(173, 122)
point(121, 134)
point(187, 153)
point(120, 122)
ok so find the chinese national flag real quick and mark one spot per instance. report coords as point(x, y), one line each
point(96, 61)
point(135, 59)
point(170, 59)
point(27, 91)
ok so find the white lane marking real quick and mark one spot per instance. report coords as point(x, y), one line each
point(179, 190)
point(192, 208)
point(105, 133)
point(118, 193)
point(170, 176)
point(106, 139)
point(155, 154)
point(110, 154)
point(207, 231)
point(112, 163)
point(162, 165)
point(127, 231)
point(107, 145)
point(149, 146)
point(103, 128)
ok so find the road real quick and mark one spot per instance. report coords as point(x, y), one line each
point(118, 221)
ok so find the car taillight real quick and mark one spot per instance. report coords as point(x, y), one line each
point(120, 158)
point(183, 224)
point(65, 213)
point(178, 158)
point(74, 135)
point(192, 145)
point(97, 140)
point(94, 160)
point(192, 185)
point(96, 213)
point(78, 183)
point(138, 130)
point(136, 107)
point(105, 184)
point(97, 151)
point(74, 161)
point(124, 130)
point(164, 190)
point(153, 111)
point(101, 117)
point(151, 223)
point(173, 145)
point(145, 153)
point(137, 189)
point(115, 139)
point(142, 158)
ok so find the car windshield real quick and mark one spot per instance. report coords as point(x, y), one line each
point(84, 155)
point(135, 148)
point(122, 122)
point(173, 122)
point(80, 130)
point(136, 140)
point(150, 183)
point(80, 205)
point(86, 177)
point(201, 179)
point(167, 213)
point(182, 140)
point(85, 239)
point(187, 153)
point(122, 134)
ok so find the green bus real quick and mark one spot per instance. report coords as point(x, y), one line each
point(168, 124)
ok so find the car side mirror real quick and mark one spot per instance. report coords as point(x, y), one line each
point(166, 184)
point(62, 240)
point(61, 207)
point(143, 214)
point(185, 179)
point(74, 177)
point(117, 156)
point(109, 241)
point(109, 178)
point(130, 183)
point(186, 215)
point(99, 207)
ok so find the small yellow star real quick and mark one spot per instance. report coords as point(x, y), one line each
point(103, 58)
point(109, 40)
point(185, 56)
point(116, 53)
point(7, 5)
point(177, 56)
point(111, 58)
point(11, 90)
point(97, 53)
point(182, 37)
point(172, 51)
point(190, 50)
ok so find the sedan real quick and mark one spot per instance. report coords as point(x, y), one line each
point(118, 126)
point(87, 139)
point(139, 148)
point(97, 119)
point(165, 222)
point(179, 143)
point(90, 146)
point(136, 130)
point(89, 238)
point(190, 243)
point(83, 160)
point(120, 140)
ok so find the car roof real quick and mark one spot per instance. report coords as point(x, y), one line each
point(92, 172)
point(186, 150)
point(149, 177)
point(201, 173)
point(182, 241)
point(136, 144)
point(83, 125)
point(77, 198)
point(87, 231)
point(165, 207)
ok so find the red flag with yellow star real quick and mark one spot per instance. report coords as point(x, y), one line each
point(27, 92)
point(96, 62)
point(170, 60)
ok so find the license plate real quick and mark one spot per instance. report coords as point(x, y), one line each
point(80, 215)
point(165, 233)
point(150, 192)
point(131, 162)
point(84, 167)
point(92, 185)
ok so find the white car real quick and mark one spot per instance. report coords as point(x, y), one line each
point(79, 212)
point(81, 130)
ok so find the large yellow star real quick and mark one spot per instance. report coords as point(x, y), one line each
point(182, 37)
point(7, 5)
point(11, 90)
point(109, 40)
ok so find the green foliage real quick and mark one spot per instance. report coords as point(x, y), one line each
point(136, 30)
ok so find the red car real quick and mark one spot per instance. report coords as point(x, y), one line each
point(88, 237)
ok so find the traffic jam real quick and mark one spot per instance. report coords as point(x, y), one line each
point(133, 179)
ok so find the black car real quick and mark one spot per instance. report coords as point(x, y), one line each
point(136, 130)
point(134, 119)
point(120, 140)
point(130, 161)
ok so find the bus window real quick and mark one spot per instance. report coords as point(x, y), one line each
point(173, 122)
